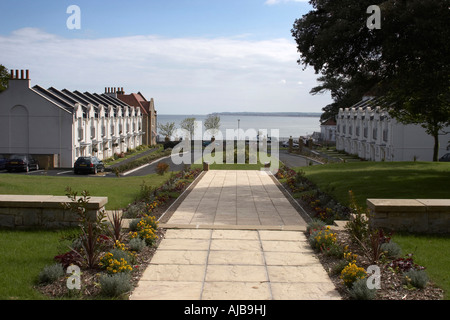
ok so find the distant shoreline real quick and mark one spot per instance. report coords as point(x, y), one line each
point(270, 114)
point(265, 114)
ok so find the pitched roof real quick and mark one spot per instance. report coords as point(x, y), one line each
point(136, 100)
point(68, 99)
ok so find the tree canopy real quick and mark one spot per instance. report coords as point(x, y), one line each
point(407, 60)
point(4, 77)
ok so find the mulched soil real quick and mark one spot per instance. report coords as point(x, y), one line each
point(392, 283)
point(90, 288)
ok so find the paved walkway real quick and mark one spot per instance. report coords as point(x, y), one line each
point(235, 237)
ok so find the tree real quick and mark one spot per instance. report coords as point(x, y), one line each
point(167, 129)
point(344, 93)
point(4, 77)
point(212, 123)
point(406, 61)
point(189, 125)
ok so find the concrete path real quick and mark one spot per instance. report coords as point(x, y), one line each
point(235, 237)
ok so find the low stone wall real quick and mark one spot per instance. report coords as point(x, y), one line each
point(28, 211)
point(413, 215)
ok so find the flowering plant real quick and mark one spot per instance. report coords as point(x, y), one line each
point(322, 239)
point(113, 265)
point(351, 273)
point(145, 229)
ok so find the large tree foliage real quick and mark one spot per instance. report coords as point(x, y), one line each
point(407, 60)
point(4, 77)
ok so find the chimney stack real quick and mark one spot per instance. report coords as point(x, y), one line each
point(22, 75)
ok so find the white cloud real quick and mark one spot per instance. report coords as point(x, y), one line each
point(183, 75)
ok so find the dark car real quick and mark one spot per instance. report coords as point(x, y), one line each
point(21, 162)
point(3, 163)
point(445, 158)
point(88, 165)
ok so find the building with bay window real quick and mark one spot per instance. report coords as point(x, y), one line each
point(58, 126)
point(368, 131)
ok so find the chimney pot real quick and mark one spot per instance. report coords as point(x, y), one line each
point(21, 75)
point(27, 73)
point(17, 74)
point(12, 74)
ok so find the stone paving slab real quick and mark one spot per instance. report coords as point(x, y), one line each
point(200, 264)
point(235, 237)
point(236, 197)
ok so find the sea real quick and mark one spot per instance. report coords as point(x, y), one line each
point(295, 126)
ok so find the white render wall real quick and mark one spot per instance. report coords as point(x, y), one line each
point(33, 123)
point(29, 123)
point(373, 135)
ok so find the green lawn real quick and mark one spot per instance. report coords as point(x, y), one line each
point(23, 254)
point(395, 180)
point(430, 251)
point(120, 191)
point(408, 180)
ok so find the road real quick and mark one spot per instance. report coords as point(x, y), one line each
point(292, 160)
point(289, 159)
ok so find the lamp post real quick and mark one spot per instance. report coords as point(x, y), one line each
point(239, 121)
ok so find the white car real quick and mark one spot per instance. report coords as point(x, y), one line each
point(286, 144)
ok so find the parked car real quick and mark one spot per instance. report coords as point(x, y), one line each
point(445, 158)
point(88, 165)
point(3, 163)
point(21, 162)
point(286, 144)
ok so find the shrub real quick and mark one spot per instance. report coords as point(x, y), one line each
point(322, 239)
point(136, 244)
point(69, 258)
point(391, 249)
point(405, 264)
point(315, 224)
point(135, 210)
point(351, 273)
point(416, 278)
point(133, 224)
point(335, 250)
point(162, 168)
point(115, 285)
point(358, 226)
point(115, 262)
point(146, 230)
point(51, 273)
point(360, 291)
point(339, 266)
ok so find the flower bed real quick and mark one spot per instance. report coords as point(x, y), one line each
point(366, 264)
point(111, 259)
point(362, 263)
point(319, 204)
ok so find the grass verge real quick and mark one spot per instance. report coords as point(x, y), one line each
point(23, 254)
point(392, 180)
point(120, 191)
point(408, 180)
point(427, 250)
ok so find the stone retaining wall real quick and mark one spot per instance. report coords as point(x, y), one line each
point(413, 215)
point(28, 211)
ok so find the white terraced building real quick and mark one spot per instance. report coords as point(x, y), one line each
point(367, 130)
point(58, 126)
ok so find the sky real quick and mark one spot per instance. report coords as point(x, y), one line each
point(190, 56)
